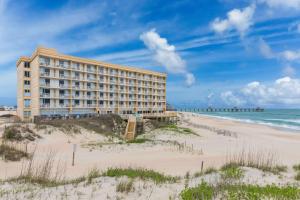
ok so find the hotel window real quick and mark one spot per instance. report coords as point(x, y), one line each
point(88, 94)
point(61, 82)
point(27, 103)
point(26, 73)
point(27, 113)
point(61, 102)
point(101, 94)
point(26, 92)
point(111, 95)
point(111, 102)
point(89, 102)
point(77, 102)
point(27, 65)
point(26, 82)
point(77, 93)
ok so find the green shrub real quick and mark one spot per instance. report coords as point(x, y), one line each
point(203, 192)
point(139, 141)
point(12, 133)
point(240, 192)
point(297, 177)
point(143, 174)
point(231, 171)
point(296, 167)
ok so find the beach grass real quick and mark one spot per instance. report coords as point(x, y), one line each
point(240, 191)
point(177, 129)
point(209, 170)
point(144, 174)
point(10, 153)
point(231, 171)
point(125, 186)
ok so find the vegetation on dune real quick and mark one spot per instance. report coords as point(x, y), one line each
point(265, 161)
point(209, 170)
point(143, 174)
point(11, 153)
point(139, 141)
point(108, 125)
point(175, 128)
point(240, 191)
point(19, 133)
point(297, 169)
point(125, 186)
point(231, 171)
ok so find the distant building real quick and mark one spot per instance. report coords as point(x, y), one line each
point(7, 108)
point(50, 83)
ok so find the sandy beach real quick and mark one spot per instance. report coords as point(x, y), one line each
point(216, 140)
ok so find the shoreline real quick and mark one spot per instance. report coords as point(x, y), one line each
point(249, 121)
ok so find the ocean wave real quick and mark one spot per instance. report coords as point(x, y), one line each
point(284, 126)
point(297, 121)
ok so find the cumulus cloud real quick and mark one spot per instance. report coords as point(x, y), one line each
point(237, 19)
point(165, 54)
point(290, 55)
point(231, 99)
point(294, 4)
point(265, 49)
point(284, 92)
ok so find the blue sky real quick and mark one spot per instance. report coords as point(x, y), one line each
point(216, 52)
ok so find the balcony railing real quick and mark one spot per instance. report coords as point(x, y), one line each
point(45, 105)
point(63, 76)
point(47, 95)
point(45, 74)
point(45, 84)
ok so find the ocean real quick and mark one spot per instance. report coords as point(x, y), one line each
point(281, 118)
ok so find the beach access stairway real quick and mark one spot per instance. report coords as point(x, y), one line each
point(130, 128)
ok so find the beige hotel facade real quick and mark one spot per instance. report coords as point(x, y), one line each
point(53, 84)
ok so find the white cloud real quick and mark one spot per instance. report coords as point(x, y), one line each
point(289, 71)
point(237, 19)
point(283, 92)
point(232, 100)
point(291, 55)
point(294, 4)
point(265, 49)
point(166, 55)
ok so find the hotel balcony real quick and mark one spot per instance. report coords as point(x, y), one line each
point(45, 95)
point(63, 105)
point(45, 105)
point(46, 74)
point(91, 105)
point(64, 66)
point(45, 84)
point(75, 77)
point(91, 70)
point(64, 86)
point(43, 63)
point(64, 76)
point(64, 95)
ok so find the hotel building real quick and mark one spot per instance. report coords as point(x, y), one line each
point(50, 83)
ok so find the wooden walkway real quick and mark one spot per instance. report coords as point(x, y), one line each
point(130, 128)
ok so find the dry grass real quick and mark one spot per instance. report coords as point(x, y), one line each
point(125, 186)
point(266, 161)
point(11, 153)
point(48, 172)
